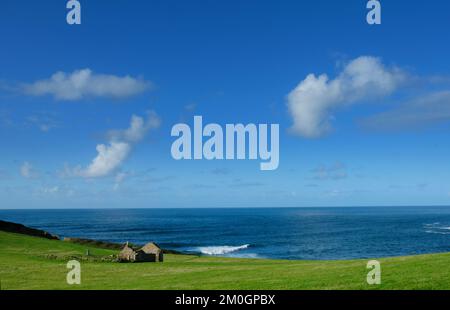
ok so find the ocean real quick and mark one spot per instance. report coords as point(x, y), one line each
point(281, 233)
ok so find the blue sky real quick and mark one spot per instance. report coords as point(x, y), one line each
point(384, 142)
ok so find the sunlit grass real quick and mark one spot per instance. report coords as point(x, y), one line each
point(24, 264)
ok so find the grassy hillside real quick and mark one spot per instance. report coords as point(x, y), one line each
point(36, 263)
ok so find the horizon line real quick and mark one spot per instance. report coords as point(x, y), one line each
point(218, 208)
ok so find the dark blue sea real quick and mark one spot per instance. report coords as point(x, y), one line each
point(297, 233)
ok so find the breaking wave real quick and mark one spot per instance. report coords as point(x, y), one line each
point(221, 250)
point(437, 228)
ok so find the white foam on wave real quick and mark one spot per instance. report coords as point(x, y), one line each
point(437, 228)
point(221, 250)
point(437, 232)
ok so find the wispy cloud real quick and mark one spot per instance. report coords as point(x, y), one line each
point(118, 179)
point(313, 101)
point(43, 121)
point(430, 109)
point(240, 183)
point(50, 190)
point(190, 107)
point(220, 171)
point(84, 83)
point(336, 171)
point(28, 171)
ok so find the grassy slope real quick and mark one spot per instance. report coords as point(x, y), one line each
point(23, 265)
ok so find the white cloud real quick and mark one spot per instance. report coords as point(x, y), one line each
point(27, 171)
point(111, 156)
point(312, 102)
point(84, 83)
point(137, 130)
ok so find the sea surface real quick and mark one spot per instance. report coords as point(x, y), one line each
point(285, 233)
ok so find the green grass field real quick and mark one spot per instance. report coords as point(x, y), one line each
point(36, 263)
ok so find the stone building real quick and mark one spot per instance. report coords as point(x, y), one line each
point(150, 252)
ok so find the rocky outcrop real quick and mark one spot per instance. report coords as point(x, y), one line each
point(24, 230)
